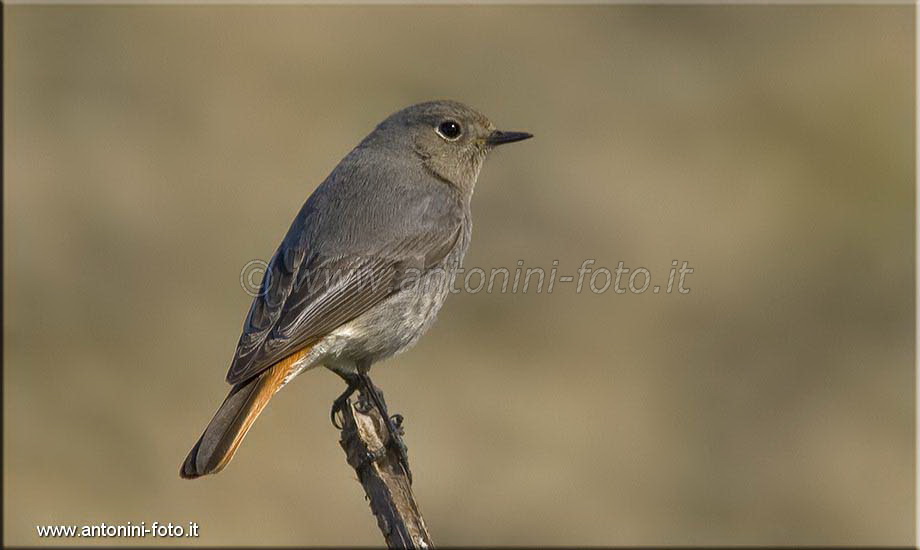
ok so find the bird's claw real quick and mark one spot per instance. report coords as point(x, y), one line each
point(363, 404)
point(402, 454)
point(336, 408)
point(396, 443)
point(397, 420)
point(371, 397)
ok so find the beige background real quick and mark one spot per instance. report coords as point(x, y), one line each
point(152, 151)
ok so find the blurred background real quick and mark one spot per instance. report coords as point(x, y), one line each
point(151, 152)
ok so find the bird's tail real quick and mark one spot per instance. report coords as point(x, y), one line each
point(220, 440)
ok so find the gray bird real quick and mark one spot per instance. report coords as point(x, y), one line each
point(363, 270)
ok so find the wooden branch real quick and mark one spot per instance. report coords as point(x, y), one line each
point(385, 483)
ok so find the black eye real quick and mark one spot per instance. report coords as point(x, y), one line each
point(449, 129)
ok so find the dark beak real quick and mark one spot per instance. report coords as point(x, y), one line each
point(498, 137)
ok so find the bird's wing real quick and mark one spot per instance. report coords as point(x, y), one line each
point(306, 295)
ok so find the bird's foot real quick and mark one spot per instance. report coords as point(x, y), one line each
point(395, 442)
point(393, 423)
point(338, 406)
point(397, 420)
point(364, 404)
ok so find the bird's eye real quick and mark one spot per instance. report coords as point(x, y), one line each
point(449, 129)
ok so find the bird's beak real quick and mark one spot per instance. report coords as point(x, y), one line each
point(498, 137)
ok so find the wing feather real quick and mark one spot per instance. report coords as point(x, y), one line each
point(306, 296)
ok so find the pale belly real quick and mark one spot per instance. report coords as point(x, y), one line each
point(387, 329)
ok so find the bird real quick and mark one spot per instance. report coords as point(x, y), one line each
point(363, 270)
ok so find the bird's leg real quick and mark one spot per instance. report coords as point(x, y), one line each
point(393, 423)
point(341, 401)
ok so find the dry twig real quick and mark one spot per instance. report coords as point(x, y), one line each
point(386, 485)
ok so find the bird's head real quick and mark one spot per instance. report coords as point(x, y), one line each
point(448, 137)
